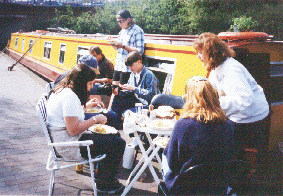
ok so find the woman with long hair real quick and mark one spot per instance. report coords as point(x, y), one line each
point(202, 135)
point(241, 98)
point(65, 121)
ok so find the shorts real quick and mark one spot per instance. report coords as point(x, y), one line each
point(122, 77)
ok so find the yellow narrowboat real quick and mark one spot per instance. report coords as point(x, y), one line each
point(171, 57)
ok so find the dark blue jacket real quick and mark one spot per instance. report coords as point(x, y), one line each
point(194, 143)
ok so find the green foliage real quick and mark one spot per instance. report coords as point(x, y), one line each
point(243, 23)
point(270, 20)
point(179, 16)
point(84, 23)
point(64, 19)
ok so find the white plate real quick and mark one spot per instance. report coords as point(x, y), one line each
point(113, 42)
point(161, 141)
point(95, 110)
point(161, 124)
point(106, 128)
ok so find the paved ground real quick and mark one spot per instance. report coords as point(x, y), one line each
point(23, 149)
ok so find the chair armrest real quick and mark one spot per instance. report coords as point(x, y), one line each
point(72, 143)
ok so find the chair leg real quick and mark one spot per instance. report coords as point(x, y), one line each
point(51, 186)
point(91, 165)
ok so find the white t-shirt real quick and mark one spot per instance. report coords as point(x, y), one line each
point(241, 98)
point(61, 104)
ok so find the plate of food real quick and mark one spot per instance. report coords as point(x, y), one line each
point(161, 124)
point(95, 110)
point(165, 112)
point(102, 129)
point(161, 141)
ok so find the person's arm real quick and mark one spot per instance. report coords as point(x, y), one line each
point(128, 48)
point(103, 80)
point(150, 88)
point(236, 92)
point(137, 42)
point(171, 151)
point(75, 127)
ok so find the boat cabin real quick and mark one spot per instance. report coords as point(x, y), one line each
point(172, 58)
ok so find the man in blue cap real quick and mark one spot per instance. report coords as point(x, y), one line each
point(88, 60)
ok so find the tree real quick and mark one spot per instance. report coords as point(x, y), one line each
point(176, 16)
point(64, 19)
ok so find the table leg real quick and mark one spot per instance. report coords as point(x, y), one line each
point(147, 162)
point(153, 147)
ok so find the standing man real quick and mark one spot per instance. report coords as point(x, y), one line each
point(105, 77)
point(142, 86)
point(131, 38)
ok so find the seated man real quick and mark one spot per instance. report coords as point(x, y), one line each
point(104, 78)
point(141, 87)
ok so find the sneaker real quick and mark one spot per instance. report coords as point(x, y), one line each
point(110, 188)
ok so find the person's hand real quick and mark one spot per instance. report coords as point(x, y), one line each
point(221, 93)
point(115, 90)
point(94, 103)
point(100, 119)
point(116, 44)
point(128, 87)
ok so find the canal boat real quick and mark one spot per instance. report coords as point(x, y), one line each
point(172, 58)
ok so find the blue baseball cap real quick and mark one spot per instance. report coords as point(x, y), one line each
point(88, 60)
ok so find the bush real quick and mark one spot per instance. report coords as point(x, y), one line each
point(243, 23)
point(178, 16)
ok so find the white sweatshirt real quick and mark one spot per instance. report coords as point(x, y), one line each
point(241, 97)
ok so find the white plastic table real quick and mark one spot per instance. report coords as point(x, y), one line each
point(146, 159)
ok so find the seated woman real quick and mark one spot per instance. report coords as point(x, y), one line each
point(65, 120)
point(202, 135)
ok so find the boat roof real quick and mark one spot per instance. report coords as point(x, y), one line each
point(186, 40)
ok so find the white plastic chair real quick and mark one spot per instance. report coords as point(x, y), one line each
point(55, 161)
point(49, 87)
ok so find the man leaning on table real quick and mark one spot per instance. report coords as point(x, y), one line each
point(141, 87)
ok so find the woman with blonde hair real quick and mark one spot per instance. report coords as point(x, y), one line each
point(241, 98)
point(202, 135)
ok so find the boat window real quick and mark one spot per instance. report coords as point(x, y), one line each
point(16, 42)
point(23, 44)
point(62, 53)
point(81, 52)
point(164, 70)
point(47, 50)
point(30, 45)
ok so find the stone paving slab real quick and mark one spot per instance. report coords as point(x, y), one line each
point(24, 150)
